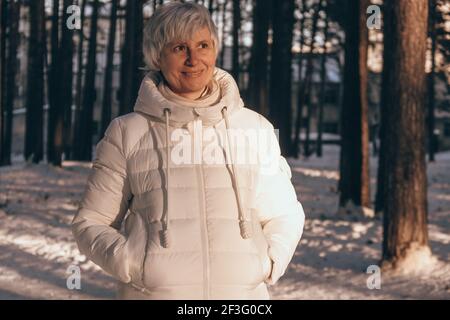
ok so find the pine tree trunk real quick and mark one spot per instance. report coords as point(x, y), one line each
point(354, 175)
point(431, 138)
point(222, 53)
point(236, 28)
point(340, 105)
point(301, 85)
point(323, 76)
point(11, 84)
point(35, 83)
point(2, 87)
point(280, 72)
point(107, 87)
point(309, 80)
point(258, 83)
point(84, 145)
point(405, 214)
point(79, 89)
point(60, 92)
point(132, 57)
point(211, 7)
point(53, 87)
point(64, 125)
point(381, 174)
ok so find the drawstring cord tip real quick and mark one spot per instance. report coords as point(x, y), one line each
point(165, 238)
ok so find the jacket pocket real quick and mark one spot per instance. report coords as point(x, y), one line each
point(136, 246)
point(266, 266)
point(262, 247)
point(264, 259)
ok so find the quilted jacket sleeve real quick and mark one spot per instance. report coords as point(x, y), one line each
point(105, 202)
point(279, 211)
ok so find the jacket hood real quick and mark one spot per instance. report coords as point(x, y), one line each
point(151, 102)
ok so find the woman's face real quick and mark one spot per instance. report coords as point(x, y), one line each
point(188, 66)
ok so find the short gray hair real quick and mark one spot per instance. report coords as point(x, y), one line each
point(174, 21)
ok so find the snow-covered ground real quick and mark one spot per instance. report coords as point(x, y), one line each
point(37, 203)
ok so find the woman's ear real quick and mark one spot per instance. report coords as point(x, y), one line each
point(157, 64)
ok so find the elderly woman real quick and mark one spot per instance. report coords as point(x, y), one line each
point(178, 205)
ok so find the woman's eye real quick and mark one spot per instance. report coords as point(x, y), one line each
point(204, 45)
point(179, 48)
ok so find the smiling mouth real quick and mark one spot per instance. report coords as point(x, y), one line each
point(192, 74)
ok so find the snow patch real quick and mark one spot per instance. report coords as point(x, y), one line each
point(417, 260)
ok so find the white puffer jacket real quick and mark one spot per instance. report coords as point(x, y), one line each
point(192, 230)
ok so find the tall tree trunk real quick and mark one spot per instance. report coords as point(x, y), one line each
point(340, 113)
point(432, 143)
point(84, 145)
point(107, 87)
point(64, 124)
point(2, 77)
point(381, 173)
point(236, 28)
point(35, 83)
point(380, 196)
point(280, 72)
point(222, 53)
point(60, 92)
point(405, 214)
point(53, 86)
point(323, 76)
point(301, 84)
point(11, 84)
point(211, 7)
point(354, 175)
point(258, 83)
point(79, 80)
point(309, 80)
point(132, 57)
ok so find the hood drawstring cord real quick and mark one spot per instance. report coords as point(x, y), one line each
point(244, 225)
point(165, 235)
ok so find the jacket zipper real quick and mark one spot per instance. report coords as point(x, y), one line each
point(204, 228)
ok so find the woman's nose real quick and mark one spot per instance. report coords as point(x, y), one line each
point(192, 58)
